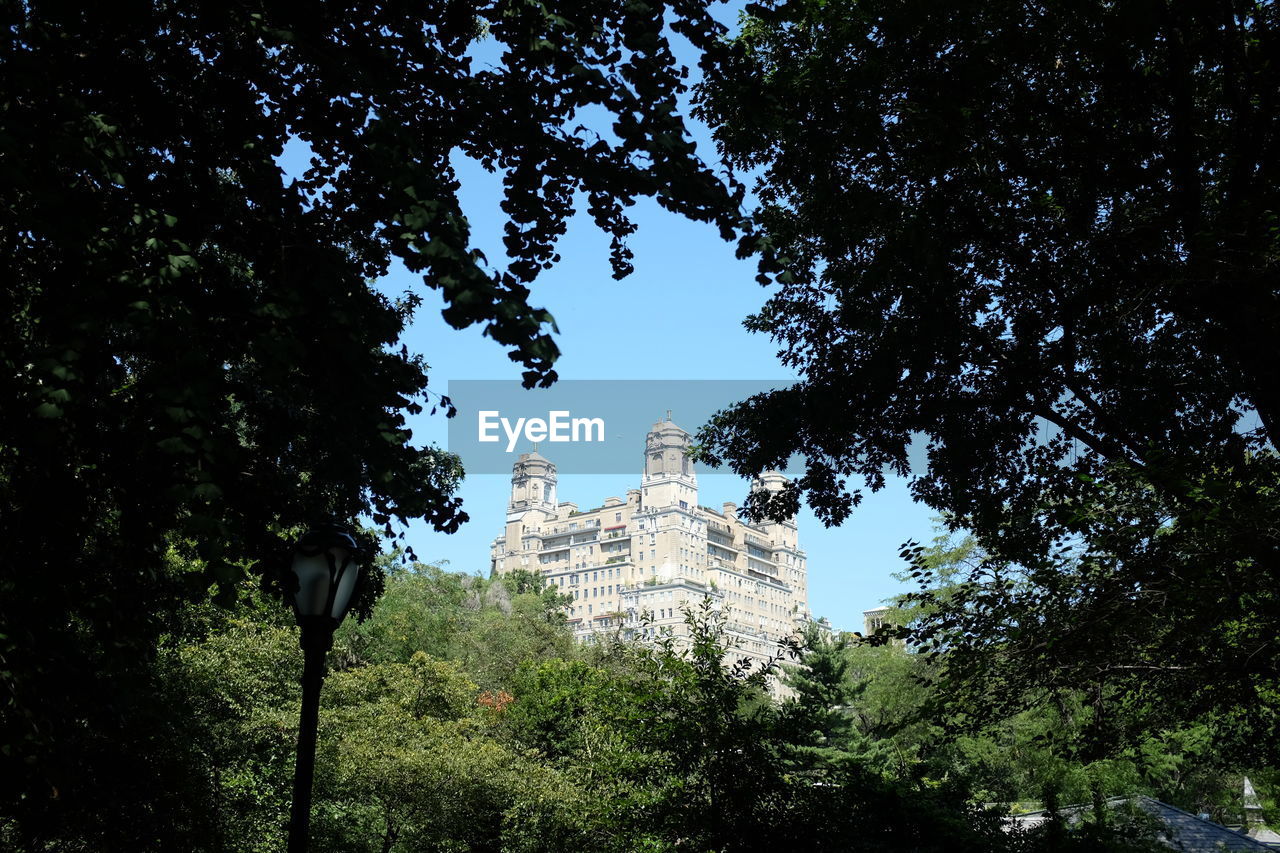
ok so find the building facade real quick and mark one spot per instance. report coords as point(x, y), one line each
point(632, 564)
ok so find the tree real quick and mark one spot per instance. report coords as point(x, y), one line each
point(193, 356)
point(239, 691)
point(819, 682)
point(490, 627)
point(1052, 740)
point(411, 764)
point(1038, 242)
point(687, 755)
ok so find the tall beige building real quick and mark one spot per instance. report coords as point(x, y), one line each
point(631, 564)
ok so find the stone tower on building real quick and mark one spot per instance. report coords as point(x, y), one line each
point(533, 485)
point(632, 564)
point(669, 479)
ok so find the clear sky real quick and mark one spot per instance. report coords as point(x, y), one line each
point(602, 323)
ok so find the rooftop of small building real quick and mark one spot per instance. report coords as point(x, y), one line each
point(1186, 832)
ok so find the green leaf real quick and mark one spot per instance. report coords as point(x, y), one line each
point(207, 492)
point(175, 444)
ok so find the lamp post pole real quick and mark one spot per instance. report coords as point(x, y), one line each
point(324, 573)
point(316, 642)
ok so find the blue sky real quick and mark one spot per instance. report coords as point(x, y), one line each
point(602, 324)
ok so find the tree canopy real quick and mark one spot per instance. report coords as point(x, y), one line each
point(194, 360)
point(1037, 241)
point(425, 746)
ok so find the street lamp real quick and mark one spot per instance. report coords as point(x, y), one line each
point(324, 572)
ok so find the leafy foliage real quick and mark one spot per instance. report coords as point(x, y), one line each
point(1037, 242)
point(1055, 744)
point(487, 627)
point(193, 356)
point(616, 747)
